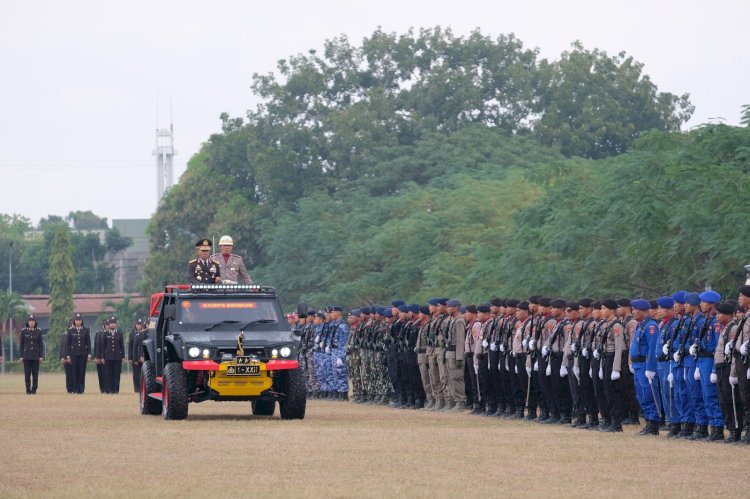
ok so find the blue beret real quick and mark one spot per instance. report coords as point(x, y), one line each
point(453, 303)
point(424, 309)
point(710, 296)
point(433, 301)
point(398, 303)
point(640, 304)
point(679, 297)
point(414, 308)
point(403, 308)
point(365, 310)
point(356, 312)
point(336, 308)
point(692, 299)
point(463, 310)
point(442, 301)
point(387, 312)
point(484, 308)
point(665, 301)
point(320, 315)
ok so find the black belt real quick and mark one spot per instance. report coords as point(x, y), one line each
point(450, 349)
point(481, 355)
point(421, 350)
point(557, 355)
point(639, 358)
point(608, 355)
point(704, 355)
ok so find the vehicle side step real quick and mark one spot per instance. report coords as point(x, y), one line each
point(155, 395)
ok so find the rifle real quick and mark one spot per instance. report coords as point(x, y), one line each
point(537, 335)
point(704, 329)
point(683, 341)
point(509, 327)
point(740, 327)
point(553, 337)
point(581, 332)
point(602, 346)
point(670, 340)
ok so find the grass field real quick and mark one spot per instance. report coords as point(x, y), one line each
point(54, 444)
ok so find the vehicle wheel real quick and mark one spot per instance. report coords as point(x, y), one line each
point(263, 407)
point(149, 385)
point(174, 392)
point(292, 406)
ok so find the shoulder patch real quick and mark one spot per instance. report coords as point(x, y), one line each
point(193, 260)
point(652, 329)
point(717, 327)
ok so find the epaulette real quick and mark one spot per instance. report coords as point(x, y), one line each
point(193, 260)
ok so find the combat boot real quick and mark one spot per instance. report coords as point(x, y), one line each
point(531, 415)
point(604, 425)
point(687, 430)
point(651, 428)
point(508, 413)
point(344, 397)
point(700, 433)
point(448, 406)
point(615, 427)
point(410, 402)
point(518, 414)
point(674, 430)
point(734, 436)
point(565, 420)
point(717, 434)
point(439, 405)
point(746, 438)
point(418, 405)
point(580, 422)
point(593, 423)
point(632, 419)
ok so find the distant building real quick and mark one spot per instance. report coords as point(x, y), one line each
point(90, 306)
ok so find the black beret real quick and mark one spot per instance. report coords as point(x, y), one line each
point(544, 301)
point(745, 290)
point(483, 308)
point(610, 304)
point(557, 303)
point(596, 304)
point(497, 302)
point(442, 301)
point(740, 309)
point(424, 309)
point(524, 305)
point(572, 305)
point(623, 302)
point(511, 302)
point(653, 304)
point(398, 303)
point(585, 302)
point(471, 308)
point(725, 308)
point(534, 299)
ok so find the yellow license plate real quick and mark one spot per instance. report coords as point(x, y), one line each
point(244, 370)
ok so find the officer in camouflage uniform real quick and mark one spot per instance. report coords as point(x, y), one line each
point(326, 339)
point(366, 354)
point(353, 354)
point(339, 332)
point(318, 354)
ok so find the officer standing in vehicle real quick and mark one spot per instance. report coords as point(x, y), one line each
point(114, 353)
point(32, 353)
point(79, 352)
point(202, 270)
point(231, 267)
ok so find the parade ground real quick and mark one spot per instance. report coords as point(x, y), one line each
point(57, 445)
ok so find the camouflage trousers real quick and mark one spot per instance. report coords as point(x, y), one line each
point(311, 378)
point(354, 362)
point(379, 383)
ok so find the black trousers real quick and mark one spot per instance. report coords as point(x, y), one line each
point(576, 405)
point(560, 386)
point(469, 380)
point(493, 380)
point(393, 372)
point(31, 374)
point(588, 399)
point(102, 375)
point(725, 398)
point(506, 391)
point(415, 378)
point(69, 383)
point(601, 396)
point(78, 363)
point(545, 385)
point(484, 380)
point(113, 369)
point(136, 377)
point(522, 378)
point(613, 389)
point(518, 394)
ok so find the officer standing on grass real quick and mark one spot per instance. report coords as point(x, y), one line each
point(79, 352)
point(32, 353)
point(114, 353)
point(134, 352)
point(65, 358)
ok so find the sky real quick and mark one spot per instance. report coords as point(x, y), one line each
point(84, 84)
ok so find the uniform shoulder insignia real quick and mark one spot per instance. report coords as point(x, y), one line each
point(193, 260)
point(717, 326)
point(652, 329)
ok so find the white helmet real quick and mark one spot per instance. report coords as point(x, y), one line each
point(226, 241)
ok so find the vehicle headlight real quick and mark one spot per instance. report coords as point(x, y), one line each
point(194, 351)
point(274, 353)
point(286, 351)
point(206, 353)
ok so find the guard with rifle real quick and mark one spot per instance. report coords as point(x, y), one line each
point(589, 311)
point(728, 328)
point(739, 375)
point(438, 375)
point(518, 351)
point(423, 349)
point(630, 403)
point(552, 353)
point(454, 355)
point(353, 354)
point(702, 351)
point(415, 398)
point(481, 331)
point(545, 324)
point(393, 345)
point(568, 370)
point(643, 349)
point(470, 384)
point(365, 354)
point(668, 324)
point(490, 343)
point(407, 398)
point(517, 393)
point(611, 349)
point(532, 364)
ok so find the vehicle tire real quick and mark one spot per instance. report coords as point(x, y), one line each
point(292, 406)
point(149, 385)
point(174, 392)
point(263, 407)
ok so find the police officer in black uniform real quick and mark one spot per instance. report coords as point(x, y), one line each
point(79, 352)
point(114, 352)
point(99, 356)
point(134, 352)
point(202, 270)
point(65, 359)
point(32, 353)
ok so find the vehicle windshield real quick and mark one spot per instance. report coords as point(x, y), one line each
point(226, 314)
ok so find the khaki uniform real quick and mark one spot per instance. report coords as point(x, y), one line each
point(233, 270)
point(454, 359)
point(423, 352)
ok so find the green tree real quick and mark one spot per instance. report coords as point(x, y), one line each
point(13, 307)
point(86, 220)
point(62, 286)
point(126, 310)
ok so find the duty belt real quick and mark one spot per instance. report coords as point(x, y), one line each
point(608, 355)
point(421, 350)
point(639, 358)
point(451, 348)
point(557, 355)
point(704, 355)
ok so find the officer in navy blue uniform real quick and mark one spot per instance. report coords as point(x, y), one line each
point(668, 322)
point(32, 353)
point(79, 351)
point(203, 270)
point(703, 350)
point(114, 352)
point(694, 418)
point(643, 348)
point(65, 359)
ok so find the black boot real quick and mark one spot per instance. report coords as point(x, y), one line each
point(717, 434)
point(651, 428)
point(615, 427)
point(674, 430)
point(687, 430)
point(593, 423)
point(700, 433)
point(531, 415)
point(734, 436)
point(745, 439)
point(604, 425)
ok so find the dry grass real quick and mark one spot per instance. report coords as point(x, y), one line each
point(54, 444)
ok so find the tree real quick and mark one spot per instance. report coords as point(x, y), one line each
point(126, 311)
point(86, 220)
point(62, 286)
point(13, 307)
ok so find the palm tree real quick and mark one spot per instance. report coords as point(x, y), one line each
point(12, 306)
point(126, 311)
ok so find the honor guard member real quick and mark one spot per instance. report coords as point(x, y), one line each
point(114, 353)
point(480, 332)
point(518, 351)
point(65, 359)
point(340, 336)
point(643, 348)
point(668, 322)
point(454, 355)
point(32, 352)
point(203, 270)
point(697, 426)
point(231, 267)
point(470, 382)
point(99, 357)
point(702, 350)
point(552, 354)
point(134, 352)
point(352, 354)
point(412, 358)
point(393, 336)
point(731, 411)
point(612, 346)
point(423, 363)
point(79, 351)
point(630, 403)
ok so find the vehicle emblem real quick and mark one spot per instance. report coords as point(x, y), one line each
point(240, 349)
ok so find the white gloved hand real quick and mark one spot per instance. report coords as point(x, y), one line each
point(693, 350)
point(597, 354)
point(532, 344)
point(317, 339)
point(339, 362)
point(493, 347)
point(713, 378)
point(630, 366)
point(650, 375)
point(615, 375)
point(320, 344)
point(548, 371)
point(601, 373)
point(528, 371)
point(728, 348)
point(745, 347)
point(591, 374)
point(697, 374)
point(577, 371)
point(670, 378)
point(733, 381)
point(665, 349)
point(573, 347)
point(585, 352)
point(516, 369)
point(563, 371)
point(536, 367)
point(476, 369)
point(545, 351)
point(485, 344)
point(502, 347)
point(525, 342)
point(328, 349)
point(677, 357)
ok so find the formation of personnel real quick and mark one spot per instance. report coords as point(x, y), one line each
point(680, 361)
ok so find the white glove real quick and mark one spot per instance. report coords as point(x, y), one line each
point(597, 354)
point(677, 357)
point(650, 375)
point(528, 371)
point(532, 344)
point(728, 348)
point(697, 374)
point(317, 339)
point(591, 374)
point(713, 378)
point(601, 373)
point(548, 372)
point(536, 368)
point(665, 349)
point(693, 350)
point(516, 369)
point(577, 371)
point(585, 352)
point(615, 375)
point(502, 347)
point(525, 342)
point(670, 378)
point(339, 362)
point(476, 369)
point(545, 351)
point(485, 344)
point(563, 371)
point(320, 344)
point(745, 347)
point(493, 347)
point(328, 349)
point(733, 381)
point(573, 347)
point(630, 366)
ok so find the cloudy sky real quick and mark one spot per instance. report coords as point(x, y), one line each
point(83, 84)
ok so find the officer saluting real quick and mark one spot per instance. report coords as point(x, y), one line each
point(32, 352)
point(231, 266)
point(202, 270)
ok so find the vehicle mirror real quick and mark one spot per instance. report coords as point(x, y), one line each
point(170, 312)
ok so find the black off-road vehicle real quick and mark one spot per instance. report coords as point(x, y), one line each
point(223, 343)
